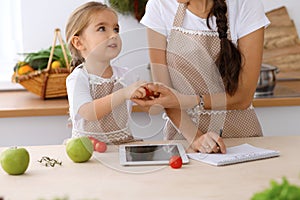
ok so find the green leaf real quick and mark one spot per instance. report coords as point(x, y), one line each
point(39, 60)
point(283, 191)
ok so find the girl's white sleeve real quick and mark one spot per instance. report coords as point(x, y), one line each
point(78, 91)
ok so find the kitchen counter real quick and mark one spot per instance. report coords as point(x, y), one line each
point(103, 178)
point(23, 103)
point(286, 93)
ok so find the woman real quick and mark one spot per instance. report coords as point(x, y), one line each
point(210, 52)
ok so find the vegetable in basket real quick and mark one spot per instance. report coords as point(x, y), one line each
point(39, 60)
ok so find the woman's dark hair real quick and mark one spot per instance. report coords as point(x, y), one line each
point(229, 61)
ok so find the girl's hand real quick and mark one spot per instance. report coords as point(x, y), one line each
point(135, 90)
point(210, 142)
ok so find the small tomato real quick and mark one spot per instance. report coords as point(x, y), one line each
point(150, 93)
point(94, 141)
point(175, 162)
point(100, 147)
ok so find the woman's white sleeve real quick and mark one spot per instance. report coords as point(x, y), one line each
point(251, 17)
point(154, 18)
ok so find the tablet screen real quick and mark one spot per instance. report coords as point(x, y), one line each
point(150, 153)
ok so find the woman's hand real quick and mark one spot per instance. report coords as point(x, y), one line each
point(166, 97)
point(210, 142)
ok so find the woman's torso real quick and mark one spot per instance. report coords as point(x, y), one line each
point(190, 58)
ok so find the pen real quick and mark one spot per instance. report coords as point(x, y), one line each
point(220, 134)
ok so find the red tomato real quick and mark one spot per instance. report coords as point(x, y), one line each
point(175, 162)
point(100, 147)
point(94, 141)
point(148, 93)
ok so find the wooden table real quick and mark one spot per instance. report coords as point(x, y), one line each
point(103, 178)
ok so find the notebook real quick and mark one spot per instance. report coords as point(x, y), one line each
point(236, 154)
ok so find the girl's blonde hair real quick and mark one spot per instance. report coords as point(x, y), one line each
point(77, 22)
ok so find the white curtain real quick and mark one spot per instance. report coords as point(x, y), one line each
point(10, 37)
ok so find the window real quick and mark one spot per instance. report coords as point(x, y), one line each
point(10, 38)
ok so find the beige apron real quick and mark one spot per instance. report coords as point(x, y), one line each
point(191, 59)
point(112, 128)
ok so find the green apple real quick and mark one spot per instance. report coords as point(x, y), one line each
point(79, 149)
point(15, 160)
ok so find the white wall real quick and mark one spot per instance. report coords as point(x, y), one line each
point(40, 18)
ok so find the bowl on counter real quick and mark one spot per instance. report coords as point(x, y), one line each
point(266, 81)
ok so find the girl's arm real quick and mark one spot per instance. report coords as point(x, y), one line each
point(99, 108)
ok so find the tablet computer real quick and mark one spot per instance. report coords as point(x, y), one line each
point(150, 154)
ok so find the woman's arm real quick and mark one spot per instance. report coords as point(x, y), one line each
point(157, 52)
point(251, 48)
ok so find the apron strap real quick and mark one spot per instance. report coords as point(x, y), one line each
point(179, 17)
point(180, 14)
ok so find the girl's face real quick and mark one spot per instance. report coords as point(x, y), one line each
point(101, 38)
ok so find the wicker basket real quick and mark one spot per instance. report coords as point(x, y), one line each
point(47, 83)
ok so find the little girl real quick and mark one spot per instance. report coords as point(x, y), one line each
point(97, 98)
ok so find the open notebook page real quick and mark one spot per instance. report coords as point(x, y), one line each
point(236, 154)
